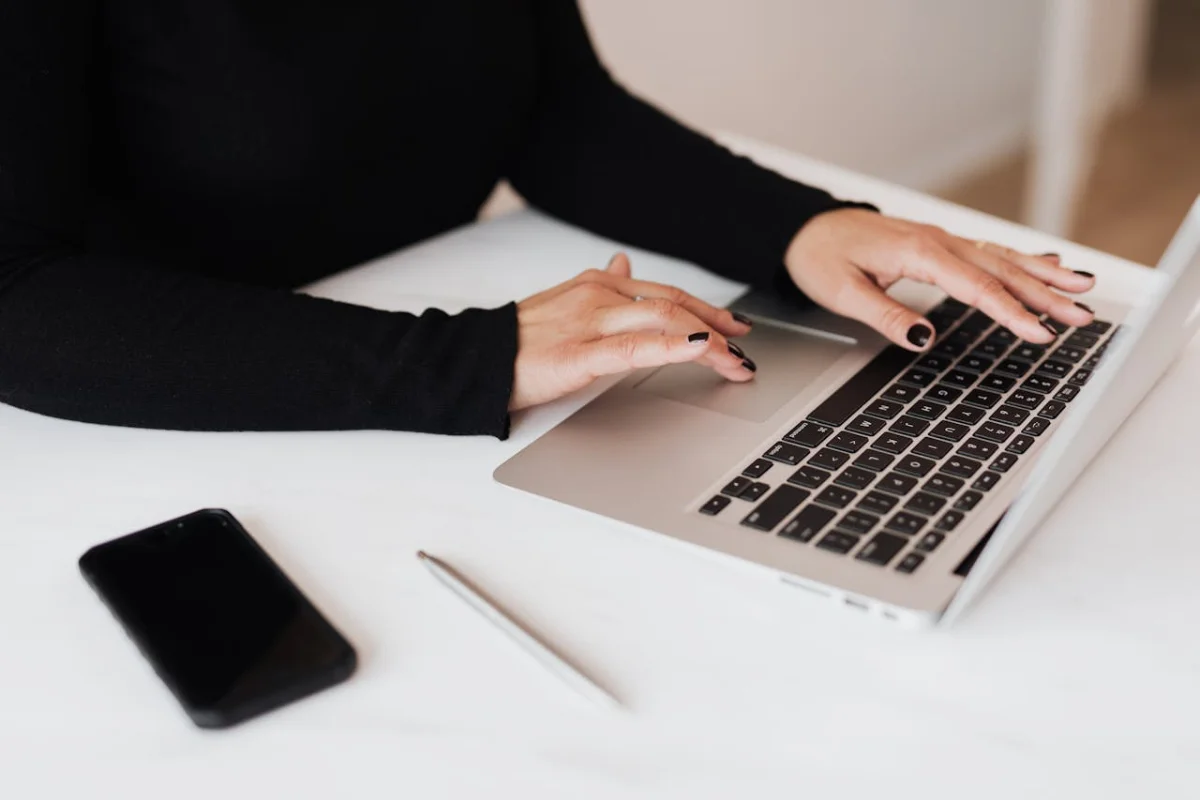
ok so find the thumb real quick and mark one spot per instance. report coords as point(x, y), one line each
point(619, 265)
point(864, 301)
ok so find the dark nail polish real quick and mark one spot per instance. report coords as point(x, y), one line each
point(701, 336)
point(737, 351)
point(750, 365)
point(1084, 307)
point(919, 335)
point(740, 318)
point(1084, 274)
point(1049, 327)
point(1049, 255)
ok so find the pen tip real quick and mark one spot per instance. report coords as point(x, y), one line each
point(421, 555)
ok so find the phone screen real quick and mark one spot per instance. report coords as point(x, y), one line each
point(224, 627)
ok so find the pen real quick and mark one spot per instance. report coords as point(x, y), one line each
point(531, 644)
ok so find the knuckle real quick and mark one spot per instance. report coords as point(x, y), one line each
point(895, 319)
point(625, 348)
point(590, 293)
point(989, 288)
point(592, 274)
point(676, 295)
point(662, 308)
point(919, 243)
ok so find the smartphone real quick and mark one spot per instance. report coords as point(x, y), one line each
point(222, 625)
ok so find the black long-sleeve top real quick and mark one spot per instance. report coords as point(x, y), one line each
point(170, 171)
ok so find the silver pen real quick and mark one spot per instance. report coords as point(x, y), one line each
point(530, 643)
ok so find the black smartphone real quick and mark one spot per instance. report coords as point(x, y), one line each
point(225, 629)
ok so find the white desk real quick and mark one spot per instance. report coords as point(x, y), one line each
point(1078, 676)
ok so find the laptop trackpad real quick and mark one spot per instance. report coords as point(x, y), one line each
point(788, 362)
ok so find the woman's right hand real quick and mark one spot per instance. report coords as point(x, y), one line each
point(594, 325)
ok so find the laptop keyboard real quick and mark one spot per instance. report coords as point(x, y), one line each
point(892, 462)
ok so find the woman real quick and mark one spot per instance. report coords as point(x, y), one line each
point(170, 171)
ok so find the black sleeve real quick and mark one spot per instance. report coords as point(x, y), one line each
point(111, 341)
point(600, 158)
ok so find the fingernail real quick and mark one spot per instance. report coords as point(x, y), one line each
point(737, 351)
point(1049, 327)
point(750, 365)
point(699, 336)
point(919, 335)
point(742, 319)
point(1055, 256)
point(1084, 307)
point(1084, 274)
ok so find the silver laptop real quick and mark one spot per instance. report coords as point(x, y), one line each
point(894, 483)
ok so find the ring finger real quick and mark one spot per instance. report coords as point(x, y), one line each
point(1025, 287)
point(656, 314)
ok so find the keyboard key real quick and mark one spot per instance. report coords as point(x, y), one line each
point(997, 383)
point(1097, 326)
point(1052, 409)
point(994, 431)
point(854, 393)
point(1002, 335)
point(1037, 426)
point(954, 431)
point(807, 524)
point(915, 465)
point(977, 323)
point(874, 460)
point(757, 469)
point(1091, 363)
point(1003, 462)
point(736, 486)
point(882, 548)
point(929, 542)
point(714, 506)
point(754, 491)
point(809, 476)
point(779, 504)
point(943, 394)
point(933, 448)
point(1082, 340)
point(809, 434)
point(896, 483)
point(982, 398)
point(975, 362)
point(786, 453)
point(858, 522)
point(977, 448)
point(836, 496)
point(828, 459)
point(848, 442)
point(945, 485)
point(961, 466)
point(1020, 444)
point(909, 563)
point(1058, 327)
point(1028, 352)
point(968, 501)
point(884, 409)
point(838, 542)
point(952, 347)
point(901, 393)
point(1055, 369)
point(1039, 383)
point(918, 377)
point(926, 410)
point(909, 426)
point(934, 362)
point(950, 306)
point(892, 443)
point(967, 415)
point(1080, 377)
point(986, 480)
point(990, 348)
point(906, 523)
point(949, 521)
point(1024, 399)
point(1067, 393)
point(1068, 353)
point(959, 379)
point(1010, 415)
point(1013, 367)
point(854, 478)
point(926, 504)
point(877, 503)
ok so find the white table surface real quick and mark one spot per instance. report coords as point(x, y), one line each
point(1077, 676)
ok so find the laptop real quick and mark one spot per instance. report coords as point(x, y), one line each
point(894, 483)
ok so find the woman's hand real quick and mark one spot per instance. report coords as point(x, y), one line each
point(604, 322)
point(846, 259)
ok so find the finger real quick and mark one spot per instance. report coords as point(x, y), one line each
point(1047, 267)
point(619, 266)
point(861, 298)
point(1025, 287)
point(656, 314)
point(721, 319)
point(640, 349)
point(931, 262)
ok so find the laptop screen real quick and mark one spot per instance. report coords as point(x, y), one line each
point(1149, 340)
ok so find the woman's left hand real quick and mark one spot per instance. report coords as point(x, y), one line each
point(846, 259)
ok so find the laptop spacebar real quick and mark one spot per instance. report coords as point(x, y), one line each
point(866, 383)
